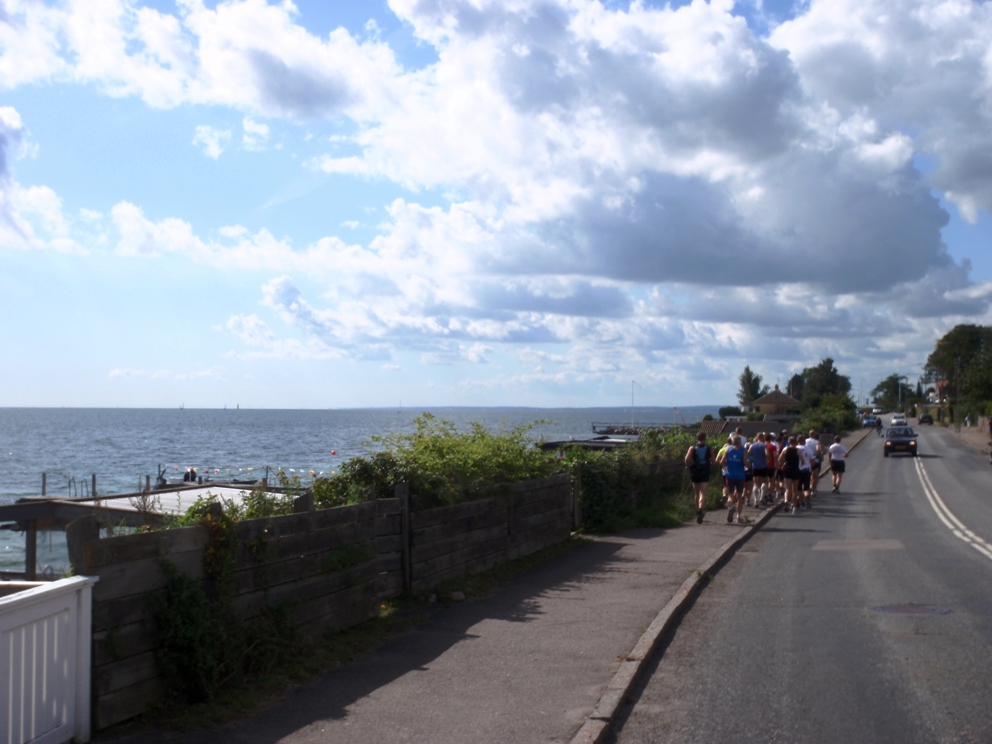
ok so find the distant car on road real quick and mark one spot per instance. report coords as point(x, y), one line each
point(877, 411)
point(870, 422)
point(898, 419)
point(925, 418)
point(900, 439)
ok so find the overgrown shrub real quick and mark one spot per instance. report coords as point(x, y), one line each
point(610, 480)
point(442, 464)
point(205, 647)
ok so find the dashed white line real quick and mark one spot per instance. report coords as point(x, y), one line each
point(952, 523)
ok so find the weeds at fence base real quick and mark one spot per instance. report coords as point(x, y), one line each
point(307, 659)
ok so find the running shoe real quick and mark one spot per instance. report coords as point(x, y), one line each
point(730, 515)
point(699, 516)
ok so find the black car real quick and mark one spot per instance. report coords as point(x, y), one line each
point(900, 439)
point(925, 418)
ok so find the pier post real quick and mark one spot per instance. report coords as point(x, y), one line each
point(44, 484)
point(31, 551)
point(148, 483)
point(94, 485)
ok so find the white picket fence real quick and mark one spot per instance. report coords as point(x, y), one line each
point(45, 641)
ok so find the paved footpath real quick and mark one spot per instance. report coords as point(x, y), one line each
point(546, 657)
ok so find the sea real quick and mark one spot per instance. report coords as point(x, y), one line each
point(121, 446)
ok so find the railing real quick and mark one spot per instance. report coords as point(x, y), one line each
point(45, 637)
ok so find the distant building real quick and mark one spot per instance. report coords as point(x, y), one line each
point(773, 404)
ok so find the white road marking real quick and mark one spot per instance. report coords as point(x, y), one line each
point(952, 523)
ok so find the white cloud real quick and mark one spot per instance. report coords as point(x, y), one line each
point(256, 134)
point(214, 373)
point(608, 184)
point(211, 141)
point(921, 65)
point(30, 217)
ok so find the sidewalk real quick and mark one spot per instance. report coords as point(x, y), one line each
point(547, 657)
point(975, 437)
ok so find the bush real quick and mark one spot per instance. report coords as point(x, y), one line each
point(610, 479)
point(442, 464)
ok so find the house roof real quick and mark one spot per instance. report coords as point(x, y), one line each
point(775, 398)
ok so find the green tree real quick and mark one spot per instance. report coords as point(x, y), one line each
point(751, 388)
point(795, 386)
point(817, 382)
point(963, 357)
point(892, 391)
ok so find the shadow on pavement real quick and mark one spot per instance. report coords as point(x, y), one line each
point(413, 651)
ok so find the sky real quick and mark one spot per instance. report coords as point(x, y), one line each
point(484, 202)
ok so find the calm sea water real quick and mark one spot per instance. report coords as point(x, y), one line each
point(122, 446)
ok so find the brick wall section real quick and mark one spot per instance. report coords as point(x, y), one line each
point(296, 559)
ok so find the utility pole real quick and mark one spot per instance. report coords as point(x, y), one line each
point(957, 395)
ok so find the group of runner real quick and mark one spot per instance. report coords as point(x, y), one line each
point(773, 467)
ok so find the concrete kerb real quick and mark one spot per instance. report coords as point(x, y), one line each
point(597, 725)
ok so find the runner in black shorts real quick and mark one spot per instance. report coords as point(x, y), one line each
point(837, 466)
point(699, 459)
point(788, 460)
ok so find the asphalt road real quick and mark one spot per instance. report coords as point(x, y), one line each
point(868, 619)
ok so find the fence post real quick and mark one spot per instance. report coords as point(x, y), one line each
point(77, 533)
point(303, 502)
point(406, 536)
point(576, 499)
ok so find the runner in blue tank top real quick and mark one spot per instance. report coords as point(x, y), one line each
point(758, 452)
point(735, 459)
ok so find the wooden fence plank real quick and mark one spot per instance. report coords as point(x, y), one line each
point(145, 545)
point(386, 507)
point(124, 610)
point(454, 558)
point(250, 604)
point(269, 527)
point(525, 523)
point(389, 524)
point(130, 671)
point(554, 504)
point(138, 577)
point(127, 703)
point(122, 641)
point(389, 544)
point(457, 542)
point(259, 551)
point(428, 517)
point(442, 530)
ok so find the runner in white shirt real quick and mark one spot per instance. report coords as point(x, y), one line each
point(837, 454)
point(805, 466)
point(815, 450)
